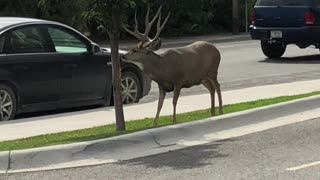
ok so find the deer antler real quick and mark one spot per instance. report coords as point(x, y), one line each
point(160, 27)
point(144, 37)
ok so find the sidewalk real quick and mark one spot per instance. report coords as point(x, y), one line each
point(182, 41)
point(97, 117)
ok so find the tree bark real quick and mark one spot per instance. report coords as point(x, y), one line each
point(235, 17)
point(114, 34)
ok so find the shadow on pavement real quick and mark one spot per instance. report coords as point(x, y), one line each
point(312, 59)
point(188, 158)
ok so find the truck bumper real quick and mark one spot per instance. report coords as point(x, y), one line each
point(307, 34)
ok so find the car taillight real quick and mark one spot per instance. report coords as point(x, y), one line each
point(310, 18)
point(253, 18)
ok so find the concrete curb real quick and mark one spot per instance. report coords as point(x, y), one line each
point(4, 162)
point(153, 141)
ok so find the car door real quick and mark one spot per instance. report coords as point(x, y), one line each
point(29, 58)
point(84, 75)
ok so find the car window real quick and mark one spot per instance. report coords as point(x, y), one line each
point(282, 2)
point(27, 40)
point(2, 40)
point(65, 42)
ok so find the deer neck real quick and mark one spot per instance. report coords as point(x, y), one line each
point(153, 65)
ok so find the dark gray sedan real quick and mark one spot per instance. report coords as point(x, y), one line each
point(46, 65)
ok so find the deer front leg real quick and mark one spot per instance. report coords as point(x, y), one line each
point(176, 95)
point(162, 95)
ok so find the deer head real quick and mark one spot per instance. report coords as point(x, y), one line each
point(146, 44)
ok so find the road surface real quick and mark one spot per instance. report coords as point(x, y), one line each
point(288, 153)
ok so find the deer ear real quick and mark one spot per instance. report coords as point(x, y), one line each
point(155, 45)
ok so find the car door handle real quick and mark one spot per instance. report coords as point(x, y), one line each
point(20, 68)
point(70, 66)
point(277, 17)
point(109, 63)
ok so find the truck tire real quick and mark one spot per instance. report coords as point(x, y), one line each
point(273, 50)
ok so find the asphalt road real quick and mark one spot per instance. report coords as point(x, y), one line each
point(243, 65)
point(287, 153)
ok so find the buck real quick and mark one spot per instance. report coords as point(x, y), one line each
point(176, 68)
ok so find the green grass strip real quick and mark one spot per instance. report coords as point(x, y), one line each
point(134, 126)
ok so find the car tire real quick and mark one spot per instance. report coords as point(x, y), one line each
point(131, 87)
point(273, 50)
point(8, 103)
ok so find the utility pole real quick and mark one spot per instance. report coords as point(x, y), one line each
point(235, 17)
point(247, 16)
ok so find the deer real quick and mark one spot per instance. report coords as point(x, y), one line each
point(175, 68)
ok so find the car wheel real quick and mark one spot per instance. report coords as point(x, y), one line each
point(7, 103)
point(131, 88)
point(273, 50)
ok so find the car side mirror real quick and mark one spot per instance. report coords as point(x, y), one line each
point(94, 48)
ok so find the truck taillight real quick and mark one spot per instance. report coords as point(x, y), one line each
point(310, 18)
point(253, 18)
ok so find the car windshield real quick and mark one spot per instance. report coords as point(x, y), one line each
point(282, 2)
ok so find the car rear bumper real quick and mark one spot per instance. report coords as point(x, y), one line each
point(306, 34)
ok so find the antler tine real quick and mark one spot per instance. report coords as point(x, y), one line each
point(144, 37)
point(149, 24)
point(136, 26)
point(136, 32)
point(159, 26)
point(147, 27)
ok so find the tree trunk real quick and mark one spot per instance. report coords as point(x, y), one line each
point(235, 17)
point(114, 33)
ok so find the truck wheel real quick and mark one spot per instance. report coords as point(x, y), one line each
point(273, 50)
point(8, 103)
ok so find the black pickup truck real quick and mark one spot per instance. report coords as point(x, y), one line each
point(278, 23)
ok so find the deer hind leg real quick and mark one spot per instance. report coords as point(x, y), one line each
point(216, 84)
point(162, 95)
point(176, 94)
point(212, 90)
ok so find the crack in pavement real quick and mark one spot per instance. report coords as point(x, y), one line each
point(9, 163)
point(158, 143)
